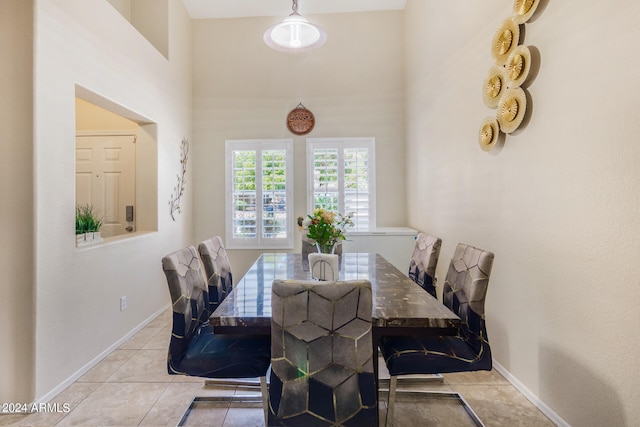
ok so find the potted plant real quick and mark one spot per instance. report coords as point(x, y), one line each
point(87, 225)
point(325, 228)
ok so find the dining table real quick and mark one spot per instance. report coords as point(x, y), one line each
point(400, 306)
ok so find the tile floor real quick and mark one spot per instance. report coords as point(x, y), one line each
point(131, 387)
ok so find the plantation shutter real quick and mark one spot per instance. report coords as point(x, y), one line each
point(259, 215)
point(244, 194)
point(356, 186)
point(342, 178)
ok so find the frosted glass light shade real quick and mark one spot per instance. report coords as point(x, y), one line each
point(294, 34)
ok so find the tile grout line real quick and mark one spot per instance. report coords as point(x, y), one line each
point(137, 349)
point(81, 402)
point(154, 403)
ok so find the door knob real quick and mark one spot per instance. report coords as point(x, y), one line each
point(129, 228)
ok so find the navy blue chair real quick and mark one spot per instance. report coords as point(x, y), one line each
point(217, 268)
point(422, 267)
point(464, 293)
point(322, 354)
point(194, 349)
point(422, 270)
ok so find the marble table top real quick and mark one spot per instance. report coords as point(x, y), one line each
point(399, 303)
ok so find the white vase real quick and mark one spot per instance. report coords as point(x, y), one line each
point(323, 266)
point(325, 250)
point(86, 239)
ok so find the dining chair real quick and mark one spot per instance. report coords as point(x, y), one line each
point(217, 269)
point(464, 293)
point(322, 371)
point(422, 267)
point(422, 270)
point(194, 350)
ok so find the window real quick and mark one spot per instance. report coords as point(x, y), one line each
point(341, 178)
point(259, 194)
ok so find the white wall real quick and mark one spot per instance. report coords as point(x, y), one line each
point(123, 7)
point(150, 17)
point(558, 204)
point(90, 117)
point(354, 85)
point(151, 21)
point(89, 44)
point(16, 192)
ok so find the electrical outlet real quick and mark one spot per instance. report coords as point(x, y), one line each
point(123, 303)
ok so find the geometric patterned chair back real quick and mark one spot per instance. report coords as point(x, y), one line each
point(464, 293)
point(217, 269)
point(189, 298)
point(321, 354)
point(422, 267)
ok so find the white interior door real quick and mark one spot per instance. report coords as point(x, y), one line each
point(105, 178)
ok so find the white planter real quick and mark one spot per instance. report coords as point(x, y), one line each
point(323, 266)
point(88, 238)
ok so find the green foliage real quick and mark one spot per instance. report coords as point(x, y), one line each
point(326, 228)
point(273, 170)
point(87, 220)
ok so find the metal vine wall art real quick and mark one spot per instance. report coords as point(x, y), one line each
point(178, 190)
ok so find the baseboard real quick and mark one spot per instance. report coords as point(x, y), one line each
point(543, 407)
point(80, 372)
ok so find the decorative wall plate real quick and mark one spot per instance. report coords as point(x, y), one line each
point(300, 121)
point(511, 109)
point(505, 41)
point(488, 134)
point(523, 10)
point(518, 65)
point(494, 86)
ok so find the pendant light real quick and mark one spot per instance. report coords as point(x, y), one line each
point(294, 34)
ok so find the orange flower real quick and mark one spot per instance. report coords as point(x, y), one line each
point(328, 216)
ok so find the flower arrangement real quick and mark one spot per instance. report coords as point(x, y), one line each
point(326, 228)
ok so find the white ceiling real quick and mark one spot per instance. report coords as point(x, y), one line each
point(201, 9)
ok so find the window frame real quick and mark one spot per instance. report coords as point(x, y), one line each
point(341, 144)
point(259, 145)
